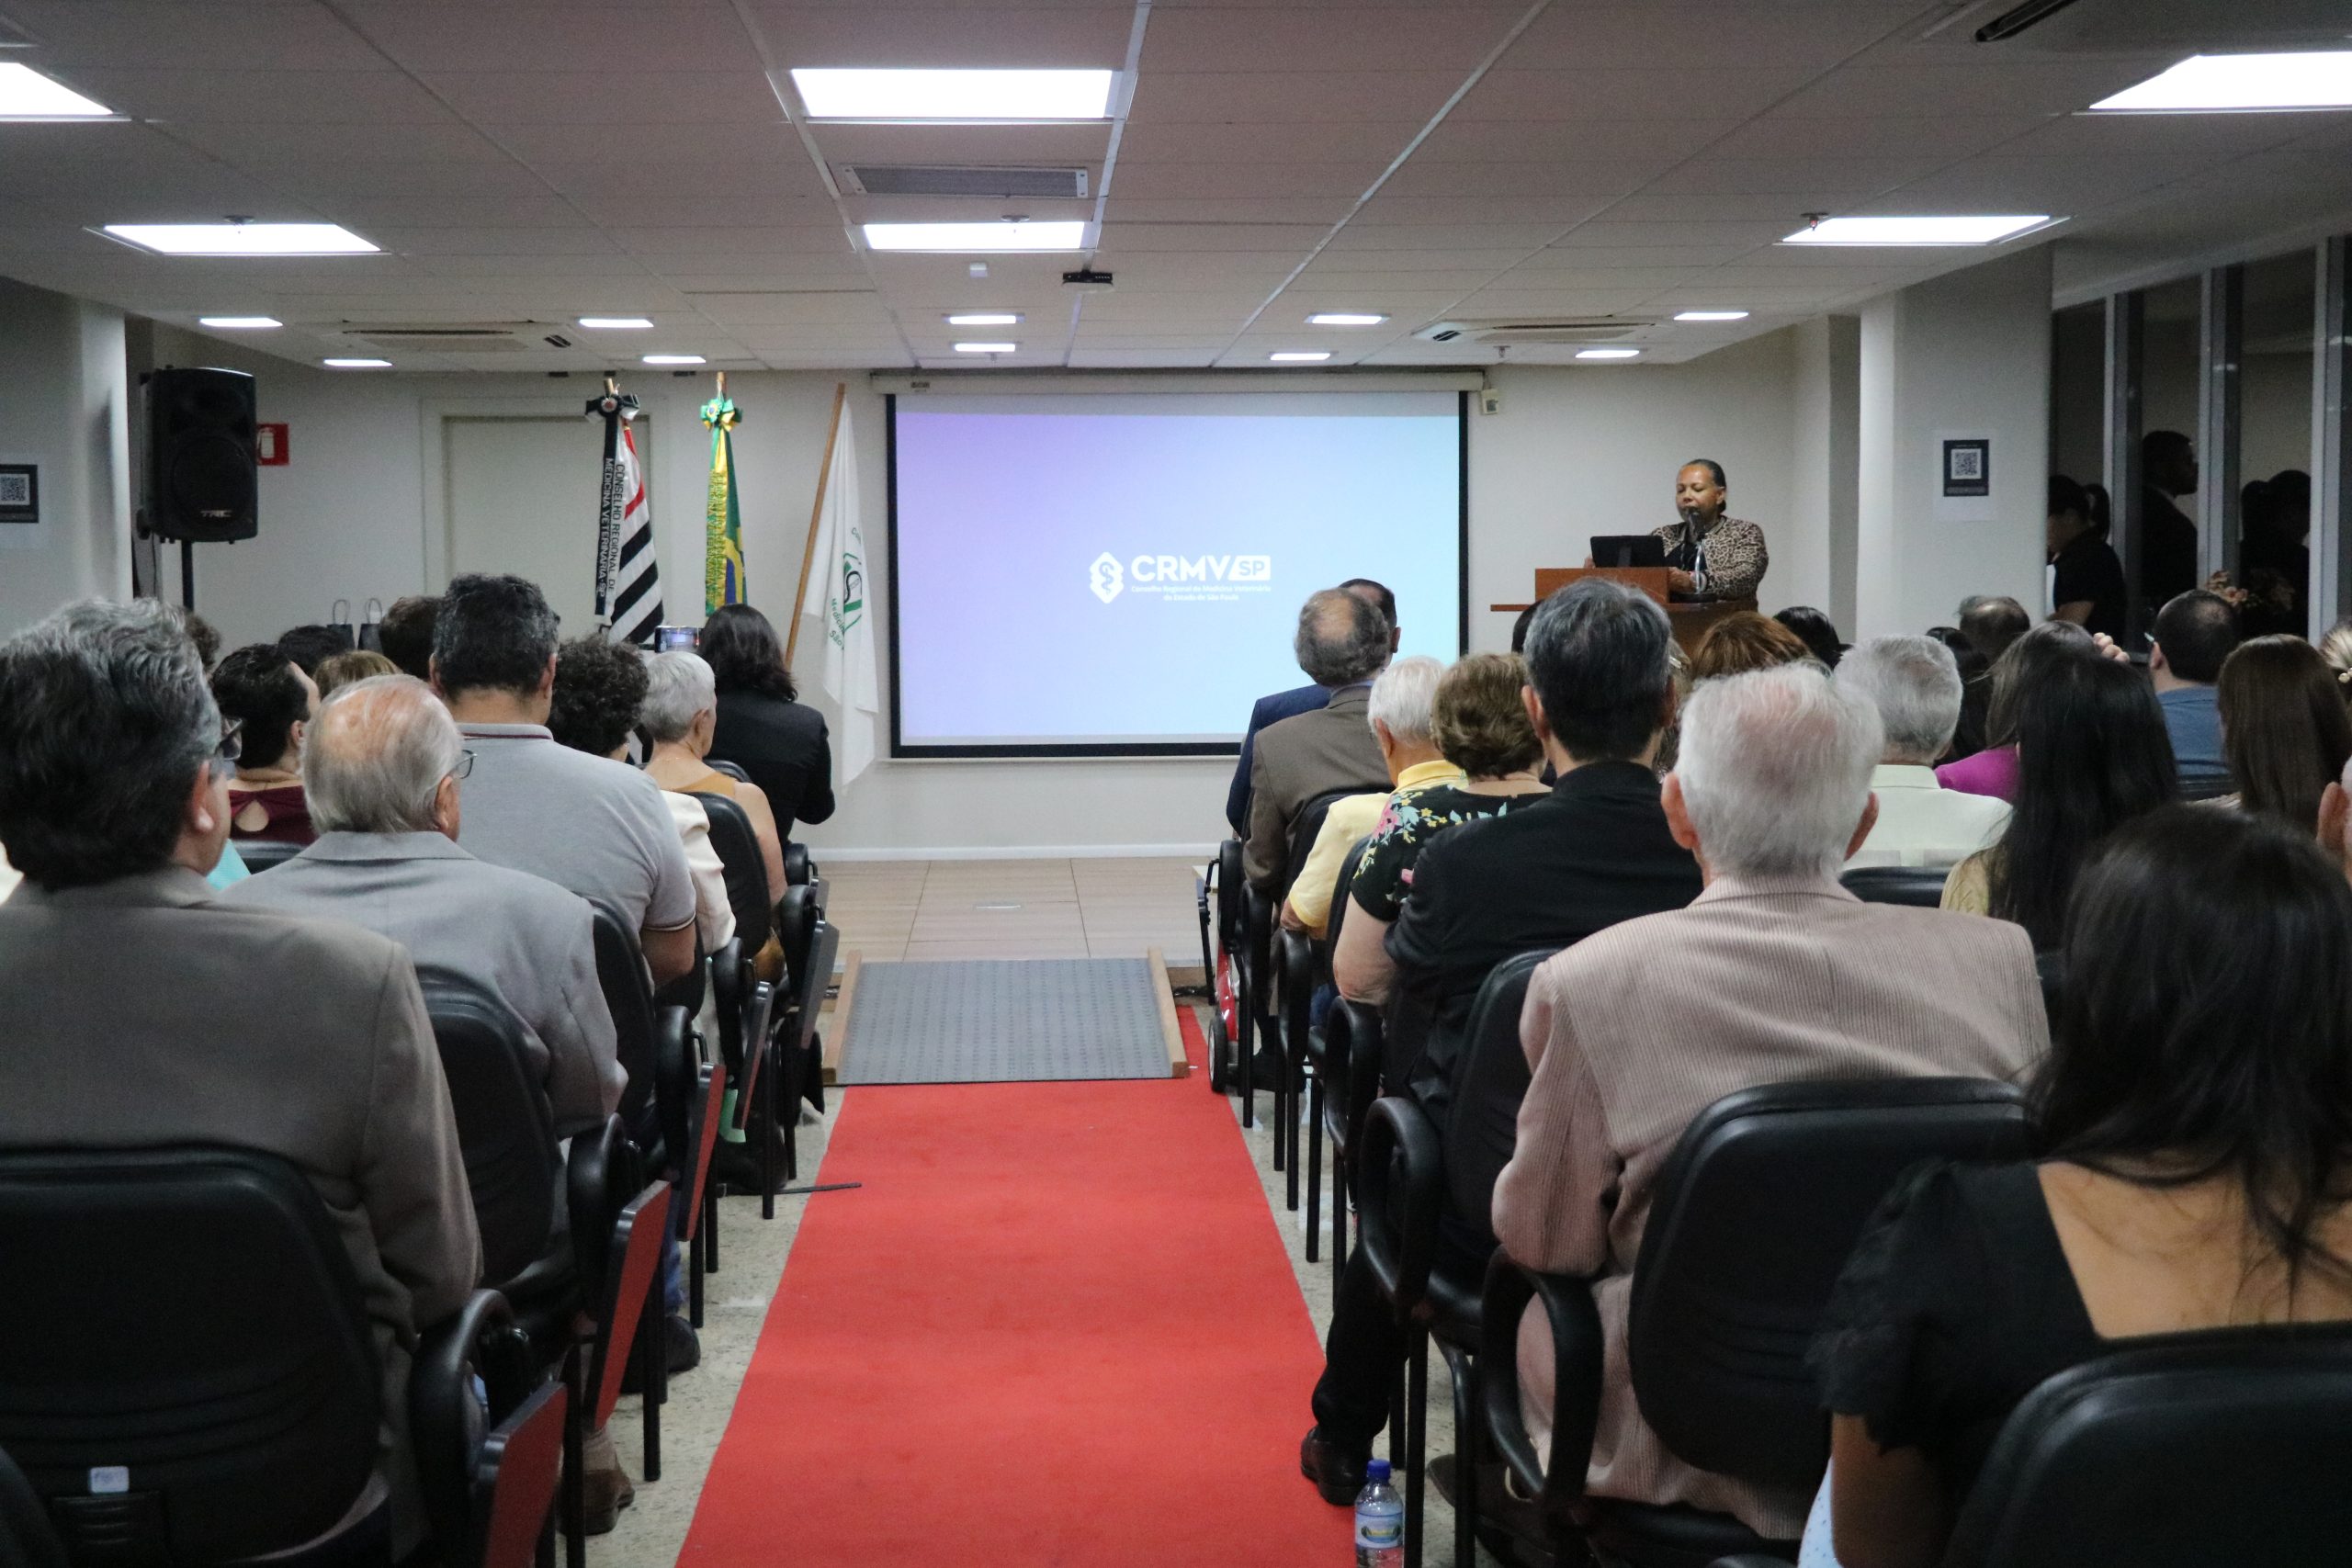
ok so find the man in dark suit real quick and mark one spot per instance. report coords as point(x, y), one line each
point(1291, 703)
point(1342, 641)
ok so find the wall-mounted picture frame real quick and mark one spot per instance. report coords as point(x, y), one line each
point(1968, 466)
point(19, 493)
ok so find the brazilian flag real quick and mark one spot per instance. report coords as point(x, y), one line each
point(722, 571)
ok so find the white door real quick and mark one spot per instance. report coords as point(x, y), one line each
point(522, 499)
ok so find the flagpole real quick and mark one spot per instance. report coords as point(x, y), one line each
point(816, 514)
point(608, 516)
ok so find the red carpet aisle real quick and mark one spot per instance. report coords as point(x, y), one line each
point(1057, 1326)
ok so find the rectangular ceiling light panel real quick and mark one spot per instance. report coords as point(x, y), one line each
point(242, 239)
point(951, 94)
point(26, 94)
point(1920, 231)
point(240, 323)
point(1710, 315)
point(2210, 84)
point(1048, 234)
point(616, 323)
point(1344, 319)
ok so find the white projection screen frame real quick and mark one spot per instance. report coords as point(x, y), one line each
point(1118, 574)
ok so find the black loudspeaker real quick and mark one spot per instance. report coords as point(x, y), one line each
point(200, 480)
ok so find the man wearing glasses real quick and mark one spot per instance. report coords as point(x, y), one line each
point(380, 767)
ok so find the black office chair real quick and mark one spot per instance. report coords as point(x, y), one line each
point(2179, 1452)
point(261, 854)
point(27, 1539)
point(748, 893)
point(1260, 912)
point(1920, 886)
point(1350, 1081)
point(491, 1498)
point(505, 1129)
point(1750, 1224)
point(1306, 969)
point(1220, 887)
point(619, 1222)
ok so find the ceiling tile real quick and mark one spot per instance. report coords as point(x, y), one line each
point(878, 33)
point(1325, 97)
point(1377, 38)
point(593, 97)
point(250, 98)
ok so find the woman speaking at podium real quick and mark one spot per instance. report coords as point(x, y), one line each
point(1711, 556)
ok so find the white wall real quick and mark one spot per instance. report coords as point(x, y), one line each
point(1826, 406)
point(1968, 353)
point(64, 406)
point(1573, 453)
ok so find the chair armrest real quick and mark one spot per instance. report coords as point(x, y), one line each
point(730, 991)
point(1399, 1180)
point(1575, 1389)
point(798, 868)
point(1367, 1035)
point(1295, 959)
point(445, 1423)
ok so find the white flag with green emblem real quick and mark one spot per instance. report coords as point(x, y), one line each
point(846, 667)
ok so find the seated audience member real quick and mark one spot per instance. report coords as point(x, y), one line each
point(2191, 1124)
point(2335, 647)
point(313, 646)
point(1990, 624)
point(1596, 851)
point(199, 632)
point(1401, 709)
point(1342, 642)
point(679, 715)
point(2092, 755)
point(382, 770)
point(1966, 742)
point(1913, 684)
point(2023, 665)
point(1743, 641)
point(1777, 972)
point(2194, 634)
point(762, 729)
point(600, 689)
point(405, 634)
point(1297, 701)
point(244, 1028)
point(343, 669)
point(1519, 625)
point(2088, 589)
point(1818, 632)
point(593, 825)
point(271, 701)
point(1480, 721)
point(2283, 728)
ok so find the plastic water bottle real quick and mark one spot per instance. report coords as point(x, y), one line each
point(1380, 1520)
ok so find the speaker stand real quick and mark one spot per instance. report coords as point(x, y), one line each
point(187, 574)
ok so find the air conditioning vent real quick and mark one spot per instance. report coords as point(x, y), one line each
point(469, 337)
point(945, 179)
point(1514, 333)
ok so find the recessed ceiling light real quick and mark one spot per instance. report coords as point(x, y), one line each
point(616, 324)
point(1710, 315)
point(1344, 319)
point(2222, 81)
point(987, 347)
point(986, 319)
point(1952, 230)
point(675, 359)
point(1608, 354)
point(239, 323)
point(1053, 234)
point(242, 239)
point(26, 94)
point(356, 363)
point(831, 94)
point(1299, 356)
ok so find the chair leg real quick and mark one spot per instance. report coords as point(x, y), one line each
point(1314, 1168)
point(1338, 1218)
point(767, 1120)
point(653, 1373)
point(1463, 1370)
point(710, 1227)
point(575, 1463)
point(1245, 1020)
point(1417, 1417)
point(693, 1280)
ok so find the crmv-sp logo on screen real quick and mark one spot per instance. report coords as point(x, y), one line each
point(1162, 574)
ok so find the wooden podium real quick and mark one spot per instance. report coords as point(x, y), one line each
point(1692, 618)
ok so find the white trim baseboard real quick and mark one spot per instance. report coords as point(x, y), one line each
point(1200, 852)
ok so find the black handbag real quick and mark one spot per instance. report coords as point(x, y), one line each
point(372, 627)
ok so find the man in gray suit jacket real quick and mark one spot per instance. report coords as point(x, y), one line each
point(1342, 642)
point(380, 766)
point(142, 1013)
point(1774, 973)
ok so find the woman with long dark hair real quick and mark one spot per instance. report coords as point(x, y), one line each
point(2092, 755)
point(762, 729)
point(2021, 668)
point(2284, 730)
point(2195, 1122)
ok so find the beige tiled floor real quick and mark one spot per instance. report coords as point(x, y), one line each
point(1014, 908)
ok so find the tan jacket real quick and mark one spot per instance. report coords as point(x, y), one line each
point(1636, 1030)
point(1305, 756)
point(141, 1013)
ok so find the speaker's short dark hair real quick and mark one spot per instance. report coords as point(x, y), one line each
point(1597, 656)
point(492, 633)
point(406, 633)
point(256, 684)
point(1715, 470)
point(313, 646)
point(2198, 631)
point(1379, 591)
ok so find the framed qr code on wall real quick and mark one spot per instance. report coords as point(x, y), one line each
point(1968, 468)
point(19, 493)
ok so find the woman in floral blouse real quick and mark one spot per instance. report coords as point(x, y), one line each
point(1482, 727)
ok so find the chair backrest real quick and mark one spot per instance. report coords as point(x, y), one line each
point(2207, 789)
point(1308, 824)
point(1751, 1221)
point(748, 893)
point(27, 1539)
point(1349, 864)
point(1921, 886)
point(732, 770)
point(186, 1373)
point(1229, 883)
point(261, 854)
point(2178, 1452)
point(1491, 1080)
point(797, 917)
point(1351, 1068)
point(628, 996)
point(506, 1129)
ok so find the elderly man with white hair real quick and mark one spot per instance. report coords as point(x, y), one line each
point(1774, 973)
point(680, 714)
point(1914, 685)
point(1400, 713)
point(380, 771)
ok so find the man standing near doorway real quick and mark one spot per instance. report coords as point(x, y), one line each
point(2167, 538)
point(1710, 556)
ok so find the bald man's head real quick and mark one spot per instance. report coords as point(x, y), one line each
point(1342, 637)
point(376, 758)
